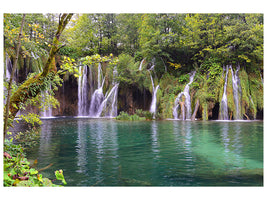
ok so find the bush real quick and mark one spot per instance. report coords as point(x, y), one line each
point(17, 170)
point(125, 116)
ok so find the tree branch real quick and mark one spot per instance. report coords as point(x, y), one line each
point(36, 83)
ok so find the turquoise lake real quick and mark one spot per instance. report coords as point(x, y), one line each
point(106, 152)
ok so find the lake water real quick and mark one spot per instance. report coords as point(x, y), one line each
point(101, 152)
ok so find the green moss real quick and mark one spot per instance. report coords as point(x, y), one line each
point(256, 89)
point(169, 89)
point(205, 111)
point(248, 105)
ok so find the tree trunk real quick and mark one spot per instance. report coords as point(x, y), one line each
point(195, 111)
point(12, 76)
point(33, 86)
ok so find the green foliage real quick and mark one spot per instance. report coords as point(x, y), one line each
point(91, 60)
point(170, 87)
point(59, 175)
point(126, 117)
point(144, 114)
point(256, 89)
point(38, 33)
point(68, 67)
point(129, 74)
point(29, 138)
point(205, 42)
point(123, 116)
point(17, 170)
point(31, 118)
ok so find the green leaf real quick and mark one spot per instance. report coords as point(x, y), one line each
point(33, 171)
point(59, 175)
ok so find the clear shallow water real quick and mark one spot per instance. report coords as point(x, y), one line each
point(98, 152)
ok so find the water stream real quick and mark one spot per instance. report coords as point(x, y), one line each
point(82, 91)
point(186, 114)
point(224, 105)
point(153, 106)
point(99, 105)
point(237, 92)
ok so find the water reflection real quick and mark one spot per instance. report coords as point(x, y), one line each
point(46, 149)
point(182, 132)
point(96, 148)
point(154, 138)
point(81, 148)
point(111, 153)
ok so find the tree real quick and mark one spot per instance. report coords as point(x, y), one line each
point(34, 85)
point(12, 75)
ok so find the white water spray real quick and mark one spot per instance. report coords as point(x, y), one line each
point(236, 92)
point(82, 91)
point(178, 99)
point(153, 106)
point(141, 64)
point(224, 105)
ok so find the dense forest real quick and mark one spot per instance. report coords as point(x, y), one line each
point(128, 67)
point(138, 51)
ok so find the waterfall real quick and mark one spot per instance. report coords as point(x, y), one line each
point(104, 105)
point(140, 66)
point(8, 68)
point(96, 101)
point(7, 74)
point(153, 106)
point(236, 91)
point(98, 95)
point(99, 75)
point(47, 112)
point(100, 105)
point(82, 91)
point(187, 100)
point(224, 106)
point(109, 104)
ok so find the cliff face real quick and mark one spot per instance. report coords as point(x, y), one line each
point(67, 95)
point(131, 98)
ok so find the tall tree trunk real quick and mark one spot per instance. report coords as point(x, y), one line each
point(33, 86)
point(6, 116)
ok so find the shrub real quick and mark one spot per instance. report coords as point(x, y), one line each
point(17, 170)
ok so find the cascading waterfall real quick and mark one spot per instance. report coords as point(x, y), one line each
point(7, 74)
point(236, 92)
point(48, 111)
point(98, 95)
point(96, 101)
point(104, 105)
point(224, 105)
point(8, 67)
point(140, 66)
point(178, 99)
point(82, 91)
point(109, 104)
point(153, 106)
